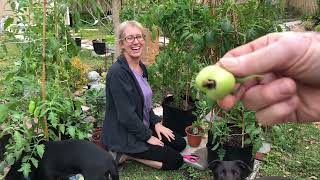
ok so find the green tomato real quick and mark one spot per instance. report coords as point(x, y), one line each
point(32, 106)
point(33, 66)
point(37, 111)
point(215, 81)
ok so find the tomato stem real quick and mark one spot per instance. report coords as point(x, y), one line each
point(244, 79)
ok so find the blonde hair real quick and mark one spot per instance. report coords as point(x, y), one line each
point(124, 25)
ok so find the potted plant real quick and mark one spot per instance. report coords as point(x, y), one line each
point(96, 101)
point(185, 23)
point(198, 128)
point(195, 133)
point(234, 136)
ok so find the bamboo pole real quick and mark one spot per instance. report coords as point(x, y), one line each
point(43, 78)
point(116, 7)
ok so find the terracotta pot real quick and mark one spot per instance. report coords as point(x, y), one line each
point(193, 140)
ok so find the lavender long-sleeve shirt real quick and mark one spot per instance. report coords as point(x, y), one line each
point(147, 94)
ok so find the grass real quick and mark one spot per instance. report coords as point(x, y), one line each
point(296, 152)
point(94, 62)
point(136, 171)
point(94, 32)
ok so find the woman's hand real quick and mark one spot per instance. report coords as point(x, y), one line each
point(160, 129)
point(155, 141)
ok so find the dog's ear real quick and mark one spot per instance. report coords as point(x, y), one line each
point(214, 164)
point(246, 170)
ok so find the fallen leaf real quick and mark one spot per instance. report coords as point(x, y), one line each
point(35, 120)
point(85, 108)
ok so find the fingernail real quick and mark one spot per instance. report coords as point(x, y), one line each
point(229, 62)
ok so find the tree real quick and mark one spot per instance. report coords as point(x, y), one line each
point(116, 7)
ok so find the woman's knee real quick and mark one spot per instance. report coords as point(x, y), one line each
point(180, 144)
point(172, 162)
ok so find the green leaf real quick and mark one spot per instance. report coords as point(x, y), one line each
point(215, 147)
point(2, 166)
point(247, 141)
point(256, 131)
point(34, 162)
point(276, 129)
point(40, 150)
point(8, 22)
point(53, 119)
point(210, 39)
point(18, 140)
point(62, 128)
point(226, 25)
point(25, 169)
point(4, 112)
point(154, 33)
point(10, 159)
point(72, 131)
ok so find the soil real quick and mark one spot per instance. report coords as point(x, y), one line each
point(180, 106)
point(235, 137)
point(190, 131)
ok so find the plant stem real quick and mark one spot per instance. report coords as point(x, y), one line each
point(244, 79)
point(211, 118)
point(242, 136)
point(43, 78)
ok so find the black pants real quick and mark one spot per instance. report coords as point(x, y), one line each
point(169, 154)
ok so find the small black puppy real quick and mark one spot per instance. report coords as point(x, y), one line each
point(229, 170)
point(64, 158)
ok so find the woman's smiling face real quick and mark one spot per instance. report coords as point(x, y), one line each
point(133, 42)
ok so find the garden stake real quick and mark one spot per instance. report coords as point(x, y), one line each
point(242, 136)
point(43, 79)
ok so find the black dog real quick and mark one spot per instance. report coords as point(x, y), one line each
point(64, 158)
point(235, 170)
point(229, 170)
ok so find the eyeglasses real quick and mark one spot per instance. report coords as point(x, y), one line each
point(131, 38)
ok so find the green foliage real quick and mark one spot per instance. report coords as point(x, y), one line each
point(200, 35)
point(96, 100)
point(317, 28)
point(23, 109)
point(221, 128)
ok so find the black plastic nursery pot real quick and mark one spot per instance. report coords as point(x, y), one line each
point(175, 118)
point(78, 41)
point(99, 47)
point(231, 152)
